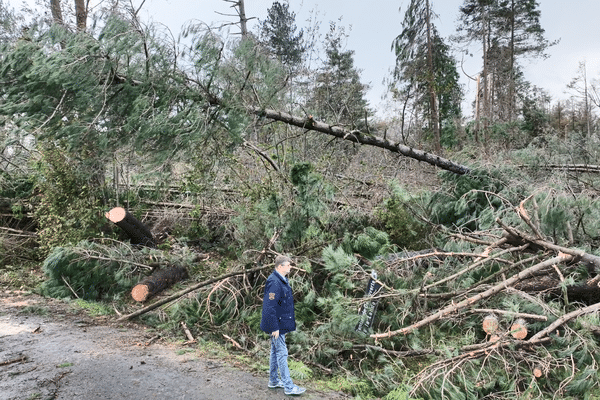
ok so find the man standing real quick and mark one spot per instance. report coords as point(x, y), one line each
point(278, 318)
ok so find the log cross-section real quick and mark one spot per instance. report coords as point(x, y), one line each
point(137, 231)
point(157, 282)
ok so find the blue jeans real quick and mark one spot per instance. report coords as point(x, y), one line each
point(278, 363)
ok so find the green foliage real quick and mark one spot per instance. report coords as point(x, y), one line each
point(472, 201)
point(89, 271)
point(339, 95)
point(68, 208)
point(368, 244)
point(398, 217)
point(302, 216)
point(279, 34)
point(400, 393)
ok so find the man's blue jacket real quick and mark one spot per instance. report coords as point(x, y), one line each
point(278, 306)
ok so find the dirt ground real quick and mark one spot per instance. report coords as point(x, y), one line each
point(66, 354)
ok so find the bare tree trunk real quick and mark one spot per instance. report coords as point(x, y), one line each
point(80, 14)
point(56, 11)
point(359, 137)
point(435, 118)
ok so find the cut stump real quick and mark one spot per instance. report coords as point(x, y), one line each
point(518, 330)
point(490, 324)
point(157, 282)
point(137, 231)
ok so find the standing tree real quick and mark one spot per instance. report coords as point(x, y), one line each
point(279, 35)
point(415, 50)
point(339, 94)
point(507, 30)
point(518, 26)
point(427, 70)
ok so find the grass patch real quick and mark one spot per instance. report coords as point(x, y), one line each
point(65, 365)
point(35, 310)
point(184, 351)
point(92, 308)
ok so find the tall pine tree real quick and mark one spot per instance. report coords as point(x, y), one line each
point(339, 93)
point(424, 65)
point(279, 34)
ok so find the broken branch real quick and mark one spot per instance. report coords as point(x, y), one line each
point(472, 300)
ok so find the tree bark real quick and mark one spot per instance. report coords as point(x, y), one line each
point(56, 11)
point(80, 14)
point(360, 137)
point(137, 232)
point(157, 282)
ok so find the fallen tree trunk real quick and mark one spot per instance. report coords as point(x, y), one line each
point(362, 138)
point(137, 232)
point(183, 292)
point(157, 282)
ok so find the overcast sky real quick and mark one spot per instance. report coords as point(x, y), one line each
point(375, 23)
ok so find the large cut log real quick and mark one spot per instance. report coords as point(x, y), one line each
point(137, 232)
point(157, 282)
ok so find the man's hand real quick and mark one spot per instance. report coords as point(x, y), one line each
point(275, 334)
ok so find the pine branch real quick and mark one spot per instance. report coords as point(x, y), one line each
point(564, 319)
point(185, 291)
point(472, 300)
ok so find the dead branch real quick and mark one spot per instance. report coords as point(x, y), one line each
point(187, 332)
point(472, 300)
point(564, 319)
point(482, 259)
point(233, 342)
point(512, 314)
point(519, 237)
point(522, 212)
point(183, 292)
point(14, 360)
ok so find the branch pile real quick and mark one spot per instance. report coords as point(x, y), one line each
point(517, 261)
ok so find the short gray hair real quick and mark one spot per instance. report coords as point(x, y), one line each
point(279, 260)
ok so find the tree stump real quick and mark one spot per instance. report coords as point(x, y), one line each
point(490, 324)
point(518, 330)
point(157, 282)
point(137, 232)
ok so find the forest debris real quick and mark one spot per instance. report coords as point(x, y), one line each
point(511, 313)
point(564, 319)
point(14, 360)
point(152, 340)
point(137, 231)
point(233, 342)
point(157, 282)
point(185, 291)
point(188, 334)
point(517, 237)
point(472, 300)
